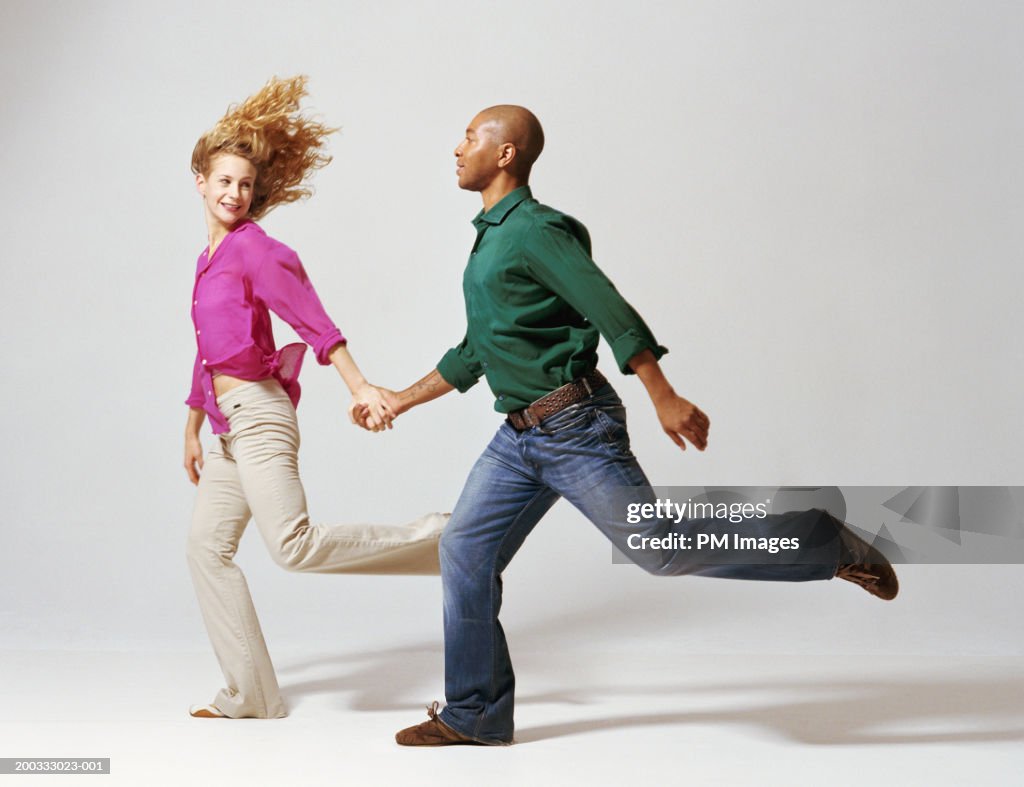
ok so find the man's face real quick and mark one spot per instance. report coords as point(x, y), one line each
point(476, 157)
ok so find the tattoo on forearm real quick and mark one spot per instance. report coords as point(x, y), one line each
point(428, 385)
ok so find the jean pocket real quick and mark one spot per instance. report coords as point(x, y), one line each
point(572, 417)
point(612, 422)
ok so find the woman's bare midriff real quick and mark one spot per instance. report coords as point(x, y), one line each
point(222, 383)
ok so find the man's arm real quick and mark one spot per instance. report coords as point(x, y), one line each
point(679, 417)
point(458, 370)
point(560, 260)
point(425, 390)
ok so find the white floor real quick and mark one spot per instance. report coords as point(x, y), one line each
point(632, 715)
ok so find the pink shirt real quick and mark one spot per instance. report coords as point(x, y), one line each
point(250, 273)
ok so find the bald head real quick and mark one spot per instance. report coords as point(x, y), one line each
point(508, 123)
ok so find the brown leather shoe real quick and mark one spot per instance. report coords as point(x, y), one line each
point(866, 566)
point(433, 732)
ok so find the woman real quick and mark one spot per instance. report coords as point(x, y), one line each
point(258, 156)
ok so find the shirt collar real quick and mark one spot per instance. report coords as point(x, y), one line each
point(498, 212)
point(244, 224)
point(204, 259)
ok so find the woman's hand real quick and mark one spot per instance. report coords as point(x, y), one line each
point(370, 408)
point(193, 457)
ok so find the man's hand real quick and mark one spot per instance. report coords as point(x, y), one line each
point(370, 409)
point(193, 457)
point(683, 419)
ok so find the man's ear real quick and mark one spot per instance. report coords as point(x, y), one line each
point(506, 154)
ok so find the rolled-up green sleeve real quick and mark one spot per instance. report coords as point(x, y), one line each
point(556, 255)
point(460, 367)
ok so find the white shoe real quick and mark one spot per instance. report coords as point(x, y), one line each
point(206, 712)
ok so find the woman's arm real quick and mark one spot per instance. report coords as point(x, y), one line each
point(193, 447)
point(369, 408)
point(280, 281)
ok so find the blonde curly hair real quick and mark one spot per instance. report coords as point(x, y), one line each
point(268, 130)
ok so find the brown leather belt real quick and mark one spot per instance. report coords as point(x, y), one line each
point(557, 400)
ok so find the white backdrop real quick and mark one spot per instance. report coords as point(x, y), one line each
point(816, 206)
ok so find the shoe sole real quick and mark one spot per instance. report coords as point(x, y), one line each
point(874, 557)
point(205, 712)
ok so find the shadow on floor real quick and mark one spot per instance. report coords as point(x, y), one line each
point(823, 709)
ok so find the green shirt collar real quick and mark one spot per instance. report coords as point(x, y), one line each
point(497, 214)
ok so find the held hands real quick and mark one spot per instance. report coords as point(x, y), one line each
point(683, 419)
point(424, 390)
point(373, 408)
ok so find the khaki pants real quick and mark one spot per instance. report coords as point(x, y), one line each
point(254, 471)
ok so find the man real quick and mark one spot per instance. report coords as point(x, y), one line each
point(535, 303)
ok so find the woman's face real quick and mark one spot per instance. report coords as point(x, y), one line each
point(227, 188)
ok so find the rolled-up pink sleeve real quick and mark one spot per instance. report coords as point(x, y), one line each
point(196, 397)
point(281, 283)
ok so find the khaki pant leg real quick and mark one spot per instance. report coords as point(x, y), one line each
point(265, 443)
point(219, 519)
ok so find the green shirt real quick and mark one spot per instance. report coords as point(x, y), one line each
point(535, 302)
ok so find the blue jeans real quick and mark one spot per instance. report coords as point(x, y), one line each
point(582, 454)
